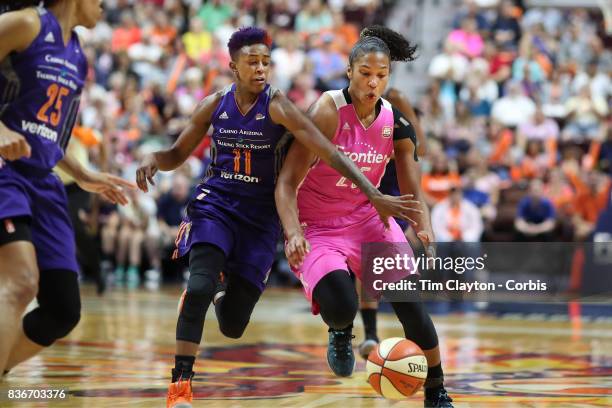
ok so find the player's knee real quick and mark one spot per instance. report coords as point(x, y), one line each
point(64, 322)
point(21, 285)
point(342, 314)
point(233, 329)
point(200, 287)
point(52, 321)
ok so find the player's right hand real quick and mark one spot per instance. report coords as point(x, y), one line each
point(13, 146)
point(146, 171)
point(391, 206)
point(296, 249)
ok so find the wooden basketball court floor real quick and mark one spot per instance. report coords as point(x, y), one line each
point(121, 353)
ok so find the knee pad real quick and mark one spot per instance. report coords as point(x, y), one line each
point(340, 316)
point(232, 328)
point(234, 310)
point(337, 298)
point(205, 264)
point(59, 308)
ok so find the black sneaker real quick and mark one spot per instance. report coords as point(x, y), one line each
point(437, 398)
point(340, 357)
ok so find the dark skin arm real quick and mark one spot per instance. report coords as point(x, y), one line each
point(409, 181)
point(17, 30)
point(299, 159)
point(187, 141)
point(401, 102)
point(324, 116)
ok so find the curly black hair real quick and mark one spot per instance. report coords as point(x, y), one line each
point(21, 4)
point(382, 39)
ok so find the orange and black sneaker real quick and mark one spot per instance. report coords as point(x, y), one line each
point(180, 394)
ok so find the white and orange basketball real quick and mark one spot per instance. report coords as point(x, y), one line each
point(397, 368)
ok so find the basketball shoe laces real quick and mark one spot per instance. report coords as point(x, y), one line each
point(440, 399)
point(180, 391)
point(341, 342)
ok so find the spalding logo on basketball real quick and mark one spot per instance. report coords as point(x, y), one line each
point(397, 368)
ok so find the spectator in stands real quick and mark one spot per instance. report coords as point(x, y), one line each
point(214, 13)
point(163, 33)
point(346, 33)
point(170, 210)
point(138, 230)
point(539, 127)
point(500, 63)
point(584, 113)
point(451, 64)
point(560, 193)
point(289, 58)
point(481, 198)
point(433, 120)
point(591, 199)
point(555, 93)
point(506, 29)
point(463, 131)
point(470, 9)
point(303, 93)
point(314, 18)
point(127, 34)
point(514, 108)
point(466, 39)
point(456, 219)
point(197, 41)
point(535, 215)
point(526, 68)
point(599, 83)
point(329, 66)
point(438, 183)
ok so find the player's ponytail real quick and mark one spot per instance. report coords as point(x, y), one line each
point(382, 39)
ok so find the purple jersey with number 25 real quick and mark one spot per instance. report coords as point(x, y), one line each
point(40, 92)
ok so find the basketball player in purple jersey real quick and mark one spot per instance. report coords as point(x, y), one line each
point(321, 248)
point(232, 223)
point(42, 71)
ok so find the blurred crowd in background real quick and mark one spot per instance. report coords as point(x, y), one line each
point(516, 114)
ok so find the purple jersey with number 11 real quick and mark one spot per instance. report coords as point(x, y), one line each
point(40, 92)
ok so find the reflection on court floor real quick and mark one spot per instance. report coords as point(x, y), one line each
point(122, 352)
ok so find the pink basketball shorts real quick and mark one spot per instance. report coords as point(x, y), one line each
point(336, 245)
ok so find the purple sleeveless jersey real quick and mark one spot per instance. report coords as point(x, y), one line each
point(247, 150)
point(39, 98)
point(233, 208)
point(40, 92)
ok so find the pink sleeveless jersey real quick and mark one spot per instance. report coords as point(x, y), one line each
point(325, 195)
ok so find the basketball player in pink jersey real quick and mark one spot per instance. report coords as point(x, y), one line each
point(336, 218)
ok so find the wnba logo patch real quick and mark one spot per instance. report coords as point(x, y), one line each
point(9, 226)
point(387, 131)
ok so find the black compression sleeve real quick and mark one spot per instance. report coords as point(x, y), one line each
point(403, 129)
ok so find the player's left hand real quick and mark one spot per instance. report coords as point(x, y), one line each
point(107, 185)
point(296, 249)
point(391, 206)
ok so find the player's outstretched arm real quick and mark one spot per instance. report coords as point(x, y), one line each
point(107, 185)
point(296, 166)
point(188, 140)
point(409, 181)
point(284, 112)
